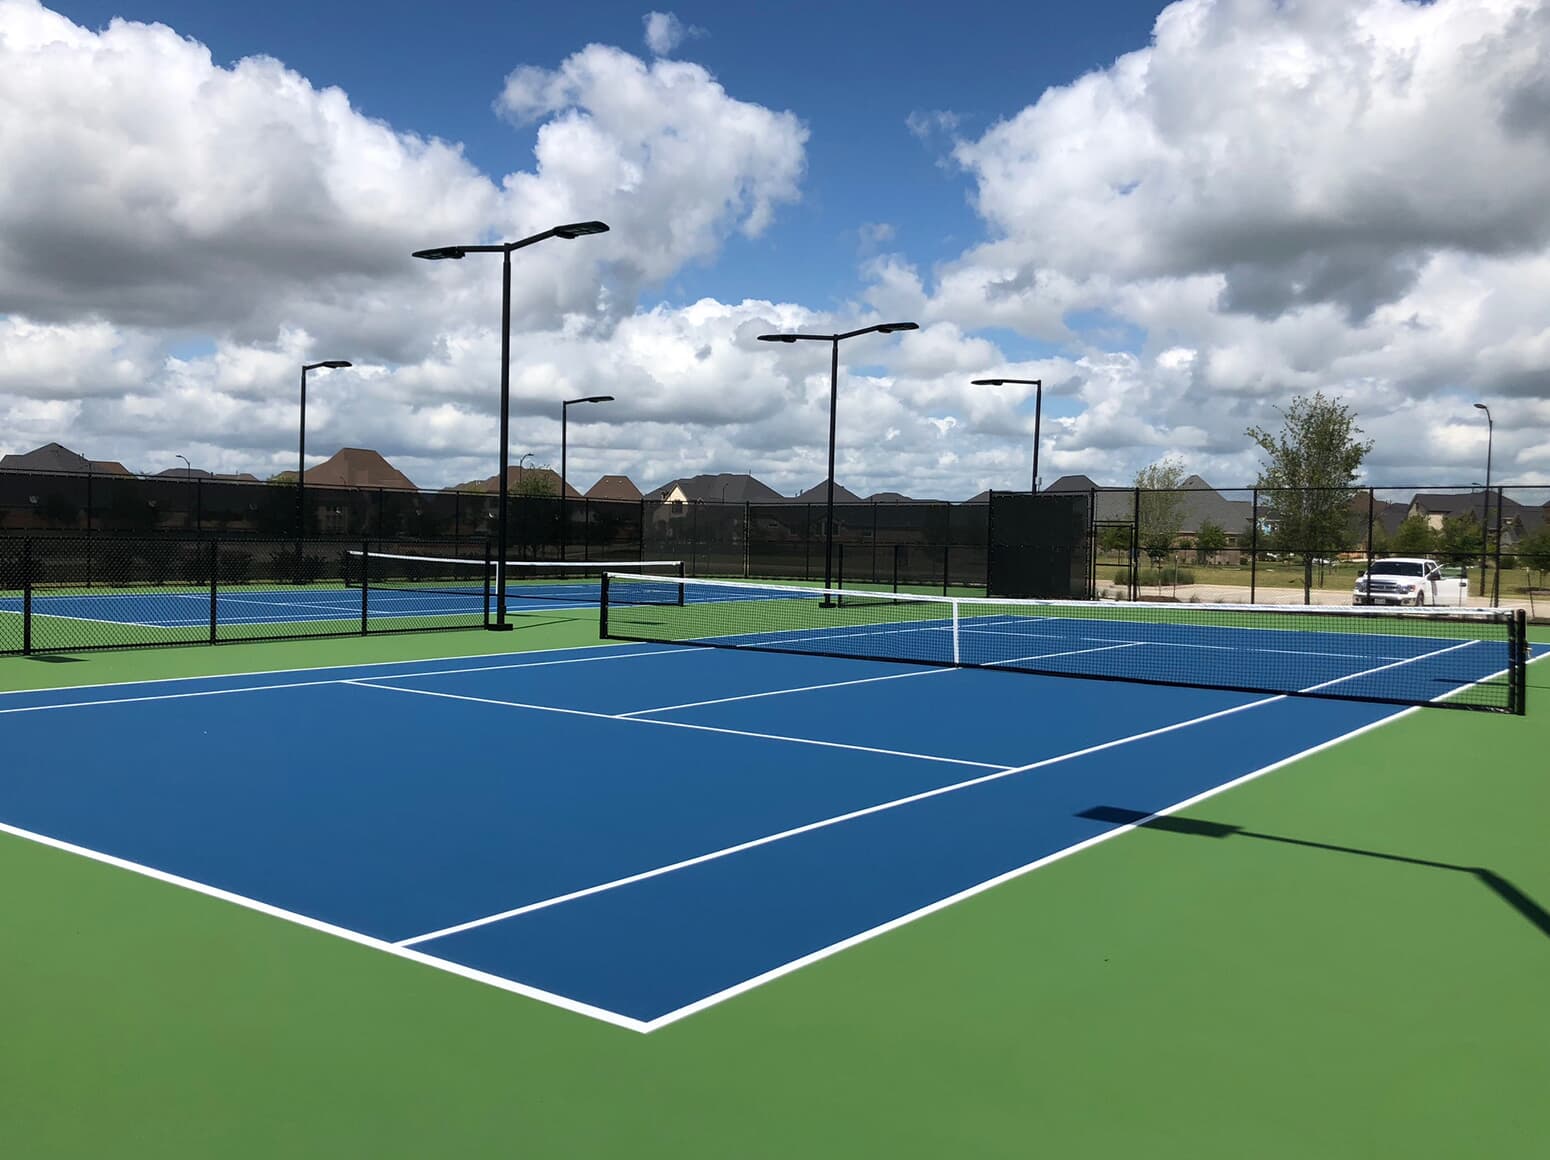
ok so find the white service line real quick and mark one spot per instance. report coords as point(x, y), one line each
point(326, 681)
point(368, 683)
point(784, 692)
point(824, 823)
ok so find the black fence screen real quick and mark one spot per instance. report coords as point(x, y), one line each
point(1040, 545)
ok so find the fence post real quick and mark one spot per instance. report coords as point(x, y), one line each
point(946, 570)
point(366, 586)
point(1254, 549)
point(747, 539)
point(1496, 580)
point(1371, 505)
point(807, 541)
point(215, 563)
point(874, 541)
point(489, 567)
point(27, 597)
point(1135, 545)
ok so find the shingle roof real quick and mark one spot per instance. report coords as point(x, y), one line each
point(732, 487)
point(614, 487)
point(819, 493)
point(357, 467)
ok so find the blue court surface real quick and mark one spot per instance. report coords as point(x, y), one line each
point(631, 832)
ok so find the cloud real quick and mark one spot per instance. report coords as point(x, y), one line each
point(665, 32)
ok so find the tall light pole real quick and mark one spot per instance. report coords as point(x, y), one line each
point(564, 446)
point(1485, 516)
point(568, 232)
point(834, 389)
point(301, 456)
point(1038, 410)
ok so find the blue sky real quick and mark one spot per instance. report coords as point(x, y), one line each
point(1179, 217)
point(853, 72)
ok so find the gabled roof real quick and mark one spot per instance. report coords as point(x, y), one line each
point(357, 467)
point(520, 480)
point(55, 457)
point(1448, 503)
point(731, 487)
point(1079, 483)
point(614, 487)
point(819, 493)
point(889, 497)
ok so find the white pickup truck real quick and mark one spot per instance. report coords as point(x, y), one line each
point(1409, 580)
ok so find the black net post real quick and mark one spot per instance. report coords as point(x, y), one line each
point(488, 568)
point(27, 597)
point(1518, 691)
point(1135, 545)
point(1371, 505)
point(839, 566)
point(946, 568)
point(1254, 546)
point(365, 583)
point(897, 548)
point(602, 607)
point(214, 558)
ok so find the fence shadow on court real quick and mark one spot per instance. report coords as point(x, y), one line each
point(1526, 907)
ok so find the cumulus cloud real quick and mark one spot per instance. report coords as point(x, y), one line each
point(665, 32)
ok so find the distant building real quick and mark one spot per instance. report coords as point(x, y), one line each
point(890, 497)
point(725, 487)
point(357, 467)
point(819, 493)
point(619, 487)
point(53, 457)
point(523, 481)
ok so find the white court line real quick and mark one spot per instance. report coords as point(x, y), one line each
point(560, 1001)
point(1017, 872)
point(825, 823)
point(1296, 652)
point(316, 924)
point(368, 683)
point(783, 692)
point(608, 646)
point(310, 684)
point(1075, 652)
point(1000, 773)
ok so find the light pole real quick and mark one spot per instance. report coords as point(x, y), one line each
point(834, 389)
point(301, 456)
point(1485, 516)
point(564, 446)
point(568, 232)
point(1038, 410)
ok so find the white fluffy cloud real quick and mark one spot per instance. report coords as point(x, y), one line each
point(1272, 197)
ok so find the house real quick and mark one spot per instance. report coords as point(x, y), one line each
point(57, 459)
point(1111, 505)
point(1515, 519)
point(523, 481)
point(889, 497)
point(357, 467)
point(614, 487)
point(725, 487)
point(819, 493)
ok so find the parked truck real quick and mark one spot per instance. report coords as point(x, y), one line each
point(1409, 580)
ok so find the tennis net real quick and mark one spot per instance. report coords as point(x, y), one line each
point(1456, 658)
point(570, 581)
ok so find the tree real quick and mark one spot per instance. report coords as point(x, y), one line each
point(1461, 542)
point(1161, 507)
point(536, 481)
point(1307, 478)
point(1115, 538)
point(1534, 552)
point(1209, 540)
point(1414, 537)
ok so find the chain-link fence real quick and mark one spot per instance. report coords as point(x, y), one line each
point(72, 593)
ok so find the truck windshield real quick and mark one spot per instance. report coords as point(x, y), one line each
point(1398, 568)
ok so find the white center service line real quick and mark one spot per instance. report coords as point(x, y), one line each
point(783, 692)
point(824, 823)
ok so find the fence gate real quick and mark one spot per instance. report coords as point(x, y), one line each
point(1040, 545)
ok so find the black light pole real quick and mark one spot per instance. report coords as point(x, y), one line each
point(834, 390)
point(568, 232)
point(301, 456)
point(564, 428)
point(1038, 410)
point(1485, 516)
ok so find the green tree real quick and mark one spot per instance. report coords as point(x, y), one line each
point(1161, 507)
point(1461, 541)
point(1115, 538)
point(1534, 552)
point(1209, 540)
point(536, 481)
point(1307, 478)
point(1414, 537)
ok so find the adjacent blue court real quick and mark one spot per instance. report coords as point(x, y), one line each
point(631, 832)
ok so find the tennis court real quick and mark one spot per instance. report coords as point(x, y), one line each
point(637, 833)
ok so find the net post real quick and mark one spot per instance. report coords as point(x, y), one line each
point(957, 652)
point(896, 549)
point(839, 572)
point(27, 596)
point(1496, 556)
point(487, 569)
point(1135, 545)
point(679, 586)
point(215, 567)
point(365, 581)
point(602, 605)
point(1517, 696)
point(1254, 548)
point(1371, 505)
point(946, 571)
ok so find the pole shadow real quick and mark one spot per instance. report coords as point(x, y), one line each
point(1526, 907)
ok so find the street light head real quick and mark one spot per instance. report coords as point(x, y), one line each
point(590, 399)
point(988, 382)
point(336, 363)
point(440, 253)
point(579, 230)
point(892, 327)
point(777, 338)
point(1483, 407)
